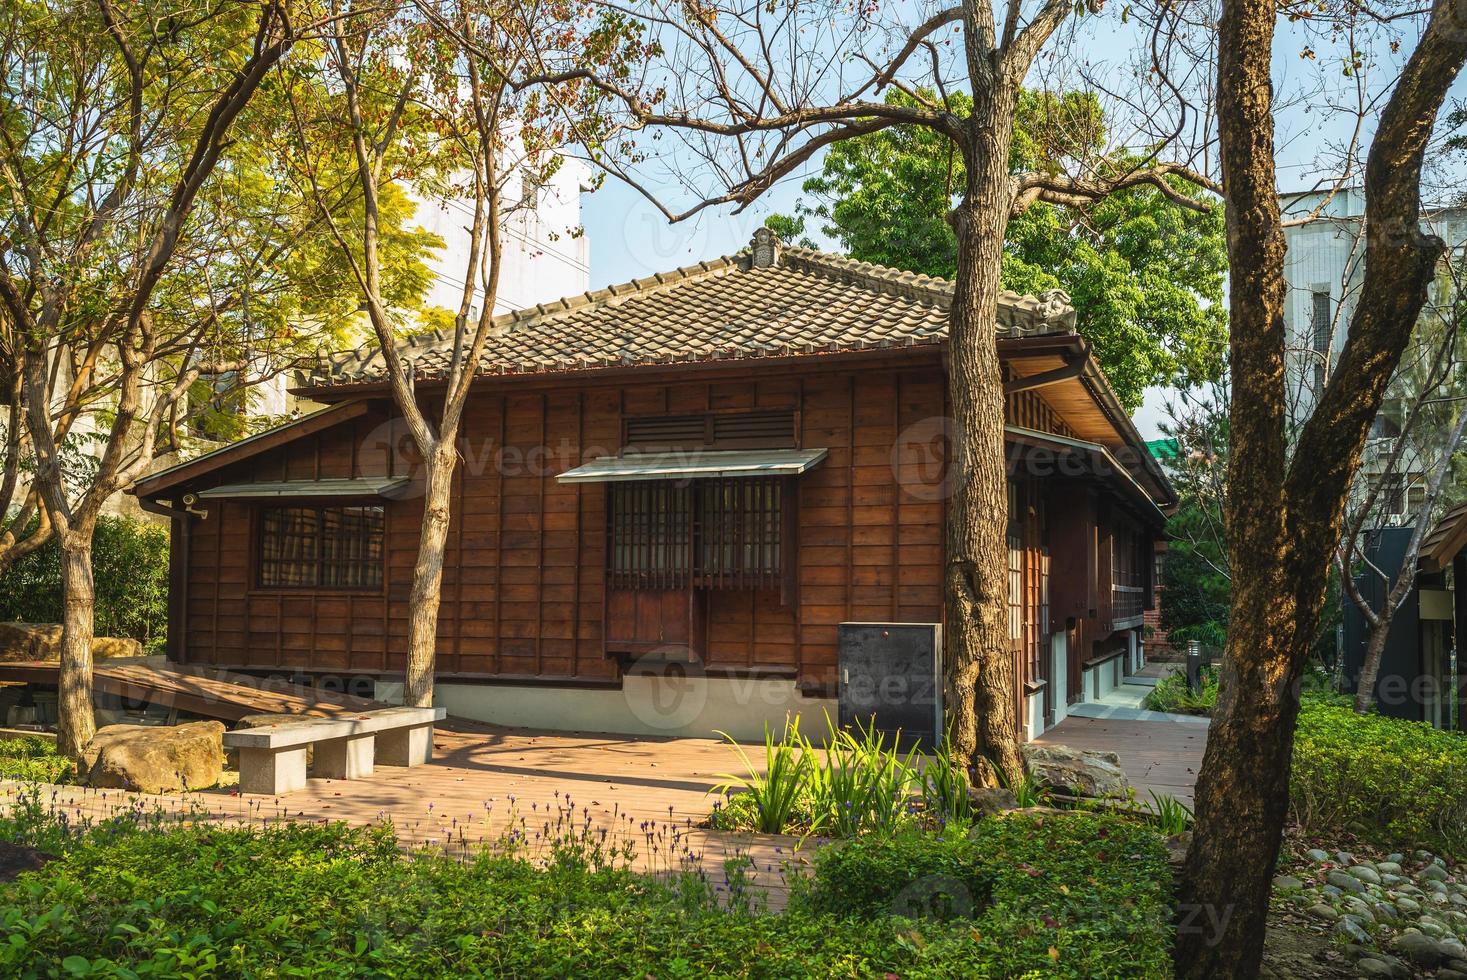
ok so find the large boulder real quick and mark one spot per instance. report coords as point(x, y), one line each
point(42, 641)
point(1077, 772)
point(155, 759)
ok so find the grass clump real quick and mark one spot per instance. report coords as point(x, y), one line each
point(1172, 694)
point(33, 759)
point(858, 782)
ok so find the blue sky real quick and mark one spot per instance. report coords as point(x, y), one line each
point(629, 238)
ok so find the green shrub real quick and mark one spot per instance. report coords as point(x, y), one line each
point(1173, 695)
point(34, 759)
point(1395, 783)
point(130, 575)
point(1073, 896)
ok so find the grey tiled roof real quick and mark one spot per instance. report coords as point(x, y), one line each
point(805, 302)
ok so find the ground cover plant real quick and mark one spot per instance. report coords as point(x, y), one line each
point(1078, 895)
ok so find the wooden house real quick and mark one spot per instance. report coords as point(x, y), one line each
point(672, 494)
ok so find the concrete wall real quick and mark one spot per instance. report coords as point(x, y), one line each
point(697, 707)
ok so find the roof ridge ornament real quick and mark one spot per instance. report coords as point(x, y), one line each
point(765, 247)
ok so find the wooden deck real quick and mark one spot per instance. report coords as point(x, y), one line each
point(1163, 757)
point(204, 691)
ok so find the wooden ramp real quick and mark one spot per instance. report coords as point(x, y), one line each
point(202, 691)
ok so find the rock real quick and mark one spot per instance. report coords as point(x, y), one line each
point(42, 641)
point(1325, 912)
point(1390, 880)
point(1426, 856)
point(1346, 882)
point(1332, 891)
point(984, 800)
point(1288, 884)
point(1177, 846)
point(1062, 768)
point(1458, 964)
point(1360, 909)
point(1422, 949)
point(1388, 867)
point(153, 759)
point(1433, 872)
point(1344, 857)
point(1408, 904)
point(1373, 968)
point(1447, 973)
point(1316, 855)
point(1365, 873)
point(1352, 928)
point(1396, 857)
point(15, 858)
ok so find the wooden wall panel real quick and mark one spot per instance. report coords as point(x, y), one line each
point(524, 581)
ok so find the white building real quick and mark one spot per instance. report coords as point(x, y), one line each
point(545, 255)
point(1324, 268)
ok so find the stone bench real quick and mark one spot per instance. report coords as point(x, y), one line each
point(272, 759)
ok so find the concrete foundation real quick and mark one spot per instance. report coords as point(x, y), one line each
point(687, 706)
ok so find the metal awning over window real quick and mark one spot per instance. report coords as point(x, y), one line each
point(695, 465)
point(366, 486)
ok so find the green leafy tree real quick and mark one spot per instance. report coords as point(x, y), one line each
point(1145, 275)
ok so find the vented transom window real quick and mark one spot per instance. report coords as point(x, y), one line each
point(762, 429)
point(714, 534)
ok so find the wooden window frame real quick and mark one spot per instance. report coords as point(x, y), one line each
point(257, 532)
point(701, 530)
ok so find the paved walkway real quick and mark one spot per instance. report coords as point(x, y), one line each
point(1158, 756)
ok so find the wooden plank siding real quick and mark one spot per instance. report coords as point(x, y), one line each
point(524, 594)
point(524, 575)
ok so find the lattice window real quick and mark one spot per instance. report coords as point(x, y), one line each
point(739, 533)
point(651, 525)
point(321, 547)
point(1015, 538)
point(716, 534)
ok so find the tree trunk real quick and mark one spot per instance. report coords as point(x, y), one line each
point(1285, 517)
point(428, 574)
point(77, 723)
point(982, 686)
point(1370, 668)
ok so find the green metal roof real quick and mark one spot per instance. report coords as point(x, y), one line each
point(366, 486)
point(695, 465)
point(1165, 450)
